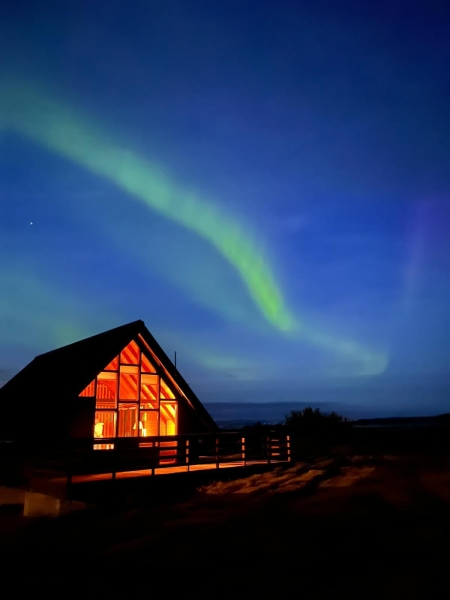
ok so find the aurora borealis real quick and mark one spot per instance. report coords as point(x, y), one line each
point(277, 217)
point(53, 126)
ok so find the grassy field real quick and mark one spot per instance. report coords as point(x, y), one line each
point(347, 527)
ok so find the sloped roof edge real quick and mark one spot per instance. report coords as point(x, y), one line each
point(76, 365)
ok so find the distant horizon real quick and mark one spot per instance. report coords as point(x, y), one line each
point(275, 412)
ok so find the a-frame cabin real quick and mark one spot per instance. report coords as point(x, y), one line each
point(116, 384)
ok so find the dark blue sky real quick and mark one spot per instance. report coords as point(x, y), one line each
point(303, 149)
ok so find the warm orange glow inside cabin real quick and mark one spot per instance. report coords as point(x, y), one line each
point(146, 365)
point(106, 396)
point(149, 423)
point(131, 354)
point(89, 391)
point(128, 383)
point(105, 424)
point(113, 365)
point(132, 399)
point(128, 419)
point(165, 391)
point(168, 418)
point(149, 391)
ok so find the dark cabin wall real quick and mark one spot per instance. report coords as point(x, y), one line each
point(8, 421)
point(189, 421)
point(35, 418)
point(81, 418)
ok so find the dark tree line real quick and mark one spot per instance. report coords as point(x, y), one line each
point(309, 421)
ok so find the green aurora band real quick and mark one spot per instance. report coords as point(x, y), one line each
point(30, 113)
point(42, 119)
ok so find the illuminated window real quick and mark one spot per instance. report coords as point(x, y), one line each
point(168, 418)
point(129, 383)
point(132, 400)
point(146, 365)
point(113, 365)
point(106, 390)
point(149, 423)
point(89, 390)
point(130, 355)
point(165, 392)
point(105, 424)
point(128, 420)
point(149, 391)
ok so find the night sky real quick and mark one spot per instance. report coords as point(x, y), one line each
point(266, 184)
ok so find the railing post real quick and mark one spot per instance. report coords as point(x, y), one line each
point(157, 455)
point(269, 449)
point(217, 453)
point(153, 456)
point(244, 454)
point(187, 455)
point(114, 451)
point(288, 447)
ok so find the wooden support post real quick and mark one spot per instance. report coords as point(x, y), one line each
point(244, 454)
point(269, 449)
point(69, 470)
point(217, 453)
point(288, 447)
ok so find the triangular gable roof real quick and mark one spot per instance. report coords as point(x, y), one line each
point(67, 371)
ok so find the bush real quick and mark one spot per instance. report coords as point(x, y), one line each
point(315, 422)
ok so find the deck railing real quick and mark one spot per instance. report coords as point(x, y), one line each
point(83, 457)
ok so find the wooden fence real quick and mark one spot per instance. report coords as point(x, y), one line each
point(84, 457)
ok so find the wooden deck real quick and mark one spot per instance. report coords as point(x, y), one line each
point(165, 471)
point(60, 467)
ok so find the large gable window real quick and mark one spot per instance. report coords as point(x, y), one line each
point(132, 398)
